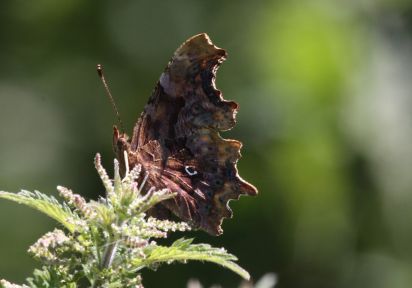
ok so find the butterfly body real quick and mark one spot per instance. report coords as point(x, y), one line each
point(177, 140)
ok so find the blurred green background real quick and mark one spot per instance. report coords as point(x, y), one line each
point(326, 111)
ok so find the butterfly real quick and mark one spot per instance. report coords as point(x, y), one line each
point(176, 139)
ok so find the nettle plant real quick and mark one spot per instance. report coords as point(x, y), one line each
point(109, 242)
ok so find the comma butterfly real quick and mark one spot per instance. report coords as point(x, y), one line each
point(176, 139)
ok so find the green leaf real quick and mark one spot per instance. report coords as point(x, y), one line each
point(50, 277)
point(152, 198)
point(45, 204)
point(182, 250)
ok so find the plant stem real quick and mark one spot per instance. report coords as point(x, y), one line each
point(108, 255)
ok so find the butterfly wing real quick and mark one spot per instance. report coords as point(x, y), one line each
point(179, 129)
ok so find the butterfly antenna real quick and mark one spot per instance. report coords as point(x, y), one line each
point(109, 94)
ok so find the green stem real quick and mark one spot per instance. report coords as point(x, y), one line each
point(109, 254)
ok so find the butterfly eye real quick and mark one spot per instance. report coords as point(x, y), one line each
point(190, 171)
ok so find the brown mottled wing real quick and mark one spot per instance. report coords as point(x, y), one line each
point(183, 117)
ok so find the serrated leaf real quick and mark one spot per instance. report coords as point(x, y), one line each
point(182, 250)
point(46, 204)
point(182, 243)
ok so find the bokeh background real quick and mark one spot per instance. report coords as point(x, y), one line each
point(326, 113)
